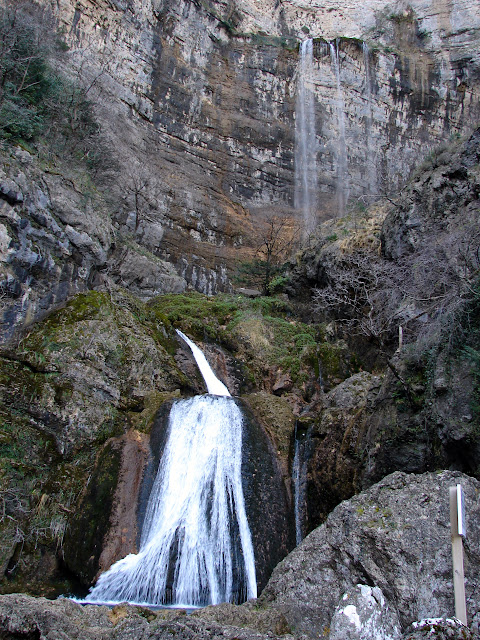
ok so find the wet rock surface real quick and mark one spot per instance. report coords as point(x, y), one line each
point(268, 502)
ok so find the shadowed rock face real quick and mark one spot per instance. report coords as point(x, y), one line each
point(269, 507)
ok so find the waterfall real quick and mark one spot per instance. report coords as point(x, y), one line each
point(306, 142)
point(342, 161)
point(196, 547)
point(302, 453)
point(296, 490)
point(370, 163)
point(214, 385)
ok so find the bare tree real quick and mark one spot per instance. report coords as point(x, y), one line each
point(143, 191)
point(276, 241)
point(423, 291)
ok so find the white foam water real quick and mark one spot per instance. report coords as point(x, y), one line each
point(214, 385)
point(342, 158)
point(196, 545)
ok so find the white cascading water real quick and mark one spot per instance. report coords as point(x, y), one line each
point(214, 385)
point(370, 163)
point(306, 141)
point(297, 491)
point(303, 452)
point(196, 547)
point(342, 160)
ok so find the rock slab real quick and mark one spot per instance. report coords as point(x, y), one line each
point(395, 536)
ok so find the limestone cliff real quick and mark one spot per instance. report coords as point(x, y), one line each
point(197, 103)
point(211, 112)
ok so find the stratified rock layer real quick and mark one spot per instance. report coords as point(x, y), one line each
point(197, 102)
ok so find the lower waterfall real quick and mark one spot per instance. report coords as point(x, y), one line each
point(196, 547)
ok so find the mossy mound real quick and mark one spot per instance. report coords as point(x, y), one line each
point(262, 333)
point(83, 375)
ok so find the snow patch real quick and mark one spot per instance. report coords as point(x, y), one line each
point(431, 621)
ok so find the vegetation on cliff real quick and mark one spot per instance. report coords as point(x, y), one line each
point(39, 104)
point(324, 358)
point(106, 362)
point(400, 283)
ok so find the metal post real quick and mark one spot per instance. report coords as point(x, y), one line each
point(457, 524)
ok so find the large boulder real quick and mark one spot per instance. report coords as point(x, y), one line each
point(395, 536)
point(363, 614)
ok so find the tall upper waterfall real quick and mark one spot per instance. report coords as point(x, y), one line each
point(370, 160)
point(305, 141)
point(342, 160)
point(195, 546)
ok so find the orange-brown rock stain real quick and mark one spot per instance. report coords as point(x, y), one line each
point(121, 538)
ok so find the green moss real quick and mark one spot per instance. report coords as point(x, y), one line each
point(261, 332)
point(143, 421)
point(332, 358)
point(285, 42)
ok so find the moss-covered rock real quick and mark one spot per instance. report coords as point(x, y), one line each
point(278, 352)
point(85, 366)
point(275, 414)
point(84, 539)
point(338, 445)
point(81, 376)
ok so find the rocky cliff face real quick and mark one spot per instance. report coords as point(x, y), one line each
point(198, 103)
point(85, 398)
point(409, 265)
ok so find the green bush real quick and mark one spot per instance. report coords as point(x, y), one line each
point(25, 78)
point(19, 121)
